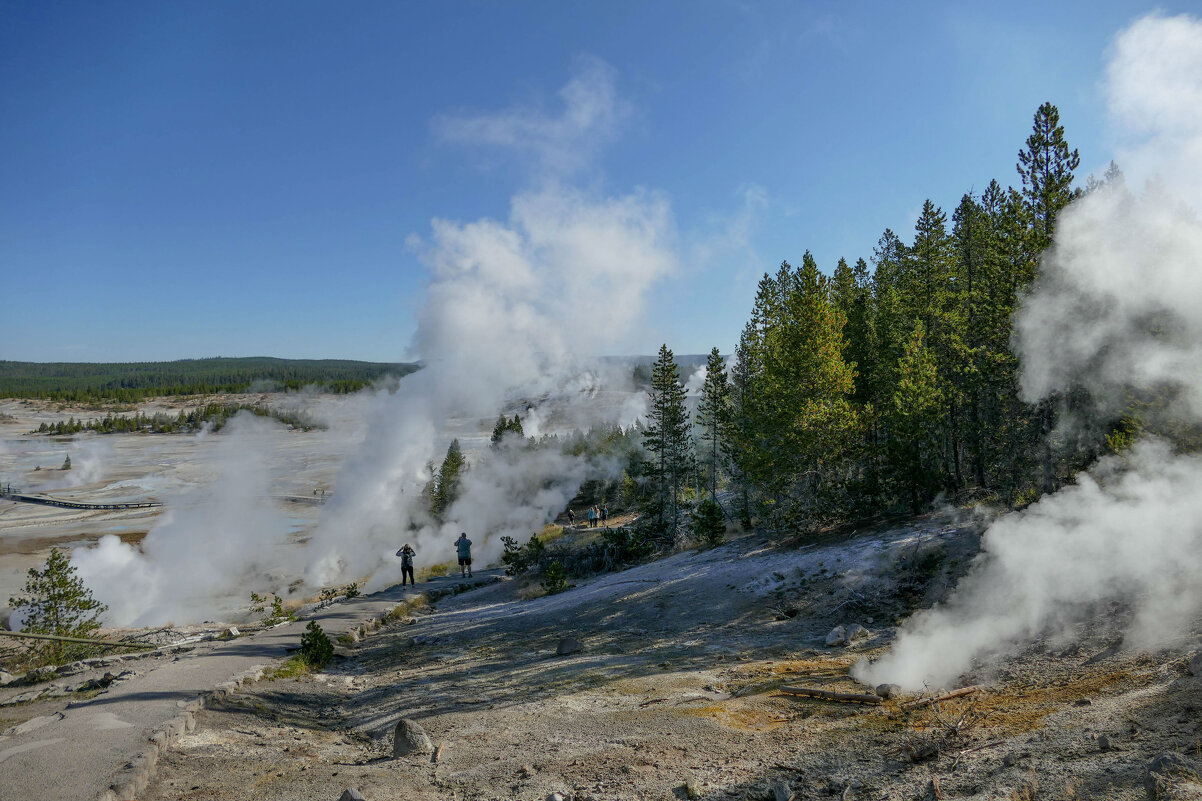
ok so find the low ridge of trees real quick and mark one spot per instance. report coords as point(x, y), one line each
point(82, 382)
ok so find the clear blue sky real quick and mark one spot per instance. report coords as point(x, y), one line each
point(182, 179)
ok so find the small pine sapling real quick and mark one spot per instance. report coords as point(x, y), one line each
point(554, 580)
point(316, 650)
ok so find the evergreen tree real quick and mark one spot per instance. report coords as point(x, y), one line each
point(57, 602)
point(446, 487)
point(1046, 167)
point(714, 417)
point(505, 426)
point(666, 436)
point(800, 425)
point(914, 421)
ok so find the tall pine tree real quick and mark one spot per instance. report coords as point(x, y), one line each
point(666, 437)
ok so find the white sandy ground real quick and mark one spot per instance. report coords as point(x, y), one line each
point(678, 683)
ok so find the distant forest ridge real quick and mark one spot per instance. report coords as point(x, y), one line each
point(128, 382)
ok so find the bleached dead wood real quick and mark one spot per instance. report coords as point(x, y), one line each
point(110, 643)
point(943, 697)
point(831, 695)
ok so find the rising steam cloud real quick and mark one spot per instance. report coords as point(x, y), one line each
point(513, 309)
point(1118, 307)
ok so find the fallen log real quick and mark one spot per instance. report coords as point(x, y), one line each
point(944, 697)
point(113, 643)
point(831, 695)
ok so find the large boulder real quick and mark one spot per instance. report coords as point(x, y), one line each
point(410, 738)
point(1172, 777)
point(838, 636)
point(568, 645)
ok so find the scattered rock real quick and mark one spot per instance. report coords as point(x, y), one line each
point(1194, 665)
point(557, 797)
point(781, 791)
point(351, 794)
point(568, 645)
point(527, 771)
point(6, 678)
point(1083, 702)
point(889, 690)
point(856, 632)
point(410, 738)
point(838, 636)
point(1103, 743)
point(1010, 760)
point(691, 788)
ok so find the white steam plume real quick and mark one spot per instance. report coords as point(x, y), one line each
point(210, 543)
point(511, 309)
point(1118, 307)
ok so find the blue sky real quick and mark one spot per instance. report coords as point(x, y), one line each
point(180, 180)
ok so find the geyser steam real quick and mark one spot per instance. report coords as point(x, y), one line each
point(1118, 307)
point(512, 309)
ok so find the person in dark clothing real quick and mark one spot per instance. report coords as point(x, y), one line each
point(407, 553)
point(464, 546)
point(571, 518)
point(604, 514)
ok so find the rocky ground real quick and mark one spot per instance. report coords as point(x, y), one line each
point(675, 692)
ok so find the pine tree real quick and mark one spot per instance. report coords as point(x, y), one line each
point(1046, 167)
point(57, 602)
point(446, 487)
point(914, 421)
point(714, 417)
point(800, 425)
point(667, 436)
point(506, 427)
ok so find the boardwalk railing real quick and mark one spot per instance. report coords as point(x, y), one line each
point(12, 496)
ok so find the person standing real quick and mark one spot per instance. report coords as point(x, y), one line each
point(604, 514)
point(571, 518)
point(407, 553)
point(464, 545)
point(592, 520)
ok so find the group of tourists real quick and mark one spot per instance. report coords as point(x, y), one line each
point(463, 547)
point(596, 515)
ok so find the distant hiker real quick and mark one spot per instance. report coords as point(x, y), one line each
point(592, 517)
point(604, 514)
point(465, 555)
point(407, 553)
point(571, 518)
point(596, 516)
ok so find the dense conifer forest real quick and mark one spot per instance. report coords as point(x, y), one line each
point(892, 382)
point(129, 382)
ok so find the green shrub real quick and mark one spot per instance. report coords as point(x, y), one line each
point(520, 558)
point(277, 614)
point(553, 579)
point(351, 591)
point(709, 523)
point(316, 650)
